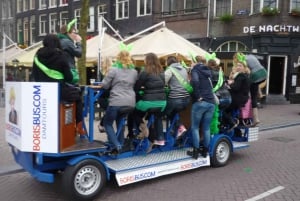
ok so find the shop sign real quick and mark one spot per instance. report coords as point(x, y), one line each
point(271, 29)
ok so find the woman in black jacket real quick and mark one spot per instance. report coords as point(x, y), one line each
point(152, 83)
point(239, 90)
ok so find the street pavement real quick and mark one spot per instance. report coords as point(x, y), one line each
point(271, 117)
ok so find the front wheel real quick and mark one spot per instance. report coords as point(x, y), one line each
point(85, 180)
point(221, 153)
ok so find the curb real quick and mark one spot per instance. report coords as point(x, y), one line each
point(7, 170)
point(279, 126)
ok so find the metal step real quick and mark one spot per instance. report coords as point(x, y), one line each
point(239, 145)
point(139, 168)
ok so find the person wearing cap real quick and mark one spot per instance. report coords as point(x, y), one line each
point(71, 44)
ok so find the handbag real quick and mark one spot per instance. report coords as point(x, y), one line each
point(224, 96)
point(246, 110)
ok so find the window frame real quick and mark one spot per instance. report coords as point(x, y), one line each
point(42, 25)
point(32, 4)
point(172, 8)
point(223, 12)
point(104, 6)
point(122, 4)
point(63, 2)
point(32, 29)
point(192, 9)
point(53, 23)
point(52, 3)
point(261, 5)
point(145, 3)
point(294, 7)
point(42, 4)
point(63, 21)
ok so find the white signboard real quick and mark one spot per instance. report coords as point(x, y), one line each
point(31, 116)
point(124, 178)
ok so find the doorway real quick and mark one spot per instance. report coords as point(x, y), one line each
point(277, 75)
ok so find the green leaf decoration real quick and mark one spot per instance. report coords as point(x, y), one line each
point(70, 24)
point(124, 47)
point(211, 56)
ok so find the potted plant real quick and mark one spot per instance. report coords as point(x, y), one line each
point(226, 18)
point(295, 12)
point(269, 11)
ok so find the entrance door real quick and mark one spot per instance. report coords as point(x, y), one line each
point(277, 74)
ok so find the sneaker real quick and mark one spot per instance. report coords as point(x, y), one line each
point(159, 142)
point(101, 129)
point(181, 130)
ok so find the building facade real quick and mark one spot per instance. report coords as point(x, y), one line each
point(267, 28)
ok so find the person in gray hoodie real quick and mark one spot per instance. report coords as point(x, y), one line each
point(178, 97)
point(120, 81)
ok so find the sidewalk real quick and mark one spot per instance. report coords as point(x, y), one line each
point(271, 117)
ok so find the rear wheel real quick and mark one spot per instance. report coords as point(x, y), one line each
point(221, 153)
point(85, 180)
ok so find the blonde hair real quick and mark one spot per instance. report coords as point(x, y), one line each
point(125, 59)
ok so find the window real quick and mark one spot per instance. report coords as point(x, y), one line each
point(26, 5)
point(43, 21)
point(32, 4)
point(63, 18)
point(20, 31)
point(101, 9)
point(32, 30)
point(232, 46)
point(192, 5)
point(52, 4)
point(19, 6)
point(122, 9)
point(270, 3)
point(77, 14)
point(223, 7)
point(9, 9)
point(63, 2)
point(169, 7)
point(144, 7)
point(43, 4)
point(53, 22)
point(91, 22)
point(295, 4)
point(257, 5)
point(26, 31)
point(4, 8)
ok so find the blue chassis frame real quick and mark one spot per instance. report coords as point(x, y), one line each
point(43, 166)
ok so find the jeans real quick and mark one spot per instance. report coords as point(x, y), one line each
point(175, 105)
point(201, 116)
point(111, 115)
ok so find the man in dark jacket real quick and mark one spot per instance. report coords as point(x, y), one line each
point(71, 44)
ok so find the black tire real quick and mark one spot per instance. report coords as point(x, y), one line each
point(222, 151)
point(85, 180)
